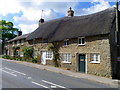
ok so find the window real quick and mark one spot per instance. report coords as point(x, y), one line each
point(66, 42)
point(49, 55)
point(95, 58)
point(22, 42)
point(18, 42)
point(13, 43)
point(45, 41)
point(66, 58)
point(81, 41)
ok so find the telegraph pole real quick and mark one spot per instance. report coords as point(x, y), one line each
point(117, 16)
point(117, 41)
point(116, 32)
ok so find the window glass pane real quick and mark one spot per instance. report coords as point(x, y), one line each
point(45, 41)
point(79, 41)
point(95, 57)
point(83, 40)
point(66, 57)
point(66, 42)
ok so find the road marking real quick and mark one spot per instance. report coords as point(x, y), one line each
point(53, 87)
point(8, 72)
point(53, 84)
point(39, 84)
point(29, 77)
point(15, 71)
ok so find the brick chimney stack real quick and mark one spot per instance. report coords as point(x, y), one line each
point(41, 21)
point(70, 12)
point(19, 33)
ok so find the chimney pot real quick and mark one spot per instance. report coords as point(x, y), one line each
point(70, 12)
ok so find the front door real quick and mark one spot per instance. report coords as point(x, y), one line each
point(43, 59)
point(82, 63)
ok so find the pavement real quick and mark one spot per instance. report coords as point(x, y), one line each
point(102, 80)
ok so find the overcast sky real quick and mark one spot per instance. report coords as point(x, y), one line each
point(25, 14)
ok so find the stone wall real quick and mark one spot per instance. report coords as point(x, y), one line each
point(15, 45)
point(97, 44)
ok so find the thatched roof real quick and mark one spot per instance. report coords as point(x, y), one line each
point(19, 37)
point(76, 26)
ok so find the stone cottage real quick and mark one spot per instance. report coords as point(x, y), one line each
point(19, 43)
point(87, 44)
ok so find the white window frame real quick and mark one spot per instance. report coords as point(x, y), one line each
point(66, 57)
point(22, 42)
point(44, 41)
point(49, 55)
point(13, 43)
point(21, 54)
point(95, 58)
point(18, 42)
point(66, 42)
point(81, 41)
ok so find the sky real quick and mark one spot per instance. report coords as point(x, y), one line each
point(25, 14)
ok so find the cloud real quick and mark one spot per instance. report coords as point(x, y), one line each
point(99, 6)
point(27, 28)
point(31, 10)
point(8, 6)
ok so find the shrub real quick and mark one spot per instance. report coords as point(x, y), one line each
point(28, 52)
point(18, 58)
point(34, 61)
point(6, 57)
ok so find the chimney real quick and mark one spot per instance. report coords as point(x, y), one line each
point(70, 12)
point(19, 33)
point(41, 21)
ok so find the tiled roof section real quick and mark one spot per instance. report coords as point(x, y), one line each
point(19, 37)
point(76, 26)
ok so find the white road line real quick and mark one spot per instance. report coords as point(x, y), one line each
point(15, 71)
point(53, 84)
point(8, 73)
point(39, 84)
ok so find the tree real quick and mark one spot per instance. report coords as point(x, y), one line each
point(7, 31)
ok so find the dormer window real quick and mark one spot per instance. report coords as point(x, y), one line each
point(81, 41)
point(66, 42)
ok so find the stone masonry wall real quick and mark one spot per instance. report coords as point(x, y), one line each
point(98, 44)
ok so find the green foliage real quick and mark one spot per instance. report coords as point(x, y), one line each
point(28, 52)
point(34, 61)
point(37, 58)
point(55, 53)
point(18, 58)
point(15, 48)
point(7, 57)
point(7, 32)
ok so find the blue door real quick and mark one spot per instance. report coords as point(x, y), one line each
point(82, 63)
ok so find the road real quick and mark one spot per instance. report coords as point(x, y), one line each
point(16, 75)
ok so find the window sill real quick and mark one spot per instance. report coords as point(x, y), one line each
point(81, 44)
point(66, 62)
point(21, 55)
point(48, 58)
point(95, 62)
point(65, 45)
